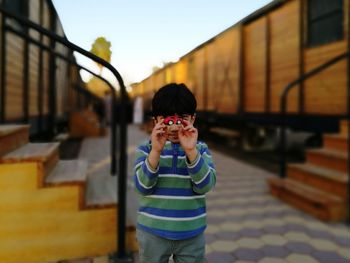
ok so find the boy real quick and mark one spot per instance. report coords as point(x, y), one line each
point(172, 174)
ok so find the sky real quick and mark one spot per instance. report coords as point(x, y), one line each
point(145, 34)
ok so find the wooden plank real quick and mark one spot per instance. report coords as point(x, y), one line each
point(181, 71)
point(12, 128)
point(330, 181)
point(254, 65)
point(20, 176)
point(31, 152)
point(331, 83)
point(317, 203)
point(212, 85)
point(34, 11)
point(12, 139)
point(64, 198)
point(227, 71)
point(284, 50)
point(328, 158)
point(197, 85)
point(15, 43)
point(68, 172)
point(336, 142)
point(344, 127)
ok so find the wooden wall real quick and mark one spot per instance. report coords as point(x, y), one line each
point(61, 75)
point(148, 88)
point(255, 44)
point(326, 93)
point(211, 86)
point(14, 77)
point(72, 93)
point(180, 71)
point(273, 56)
point(136, 90)
point(159, 79)
point(46, 61)
point(227, 71)
point(169, 74)
point(200, 77)
point(285, 49)
point(34, 15)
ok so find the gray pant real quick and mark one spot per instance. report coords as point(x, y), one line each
point(154, 249)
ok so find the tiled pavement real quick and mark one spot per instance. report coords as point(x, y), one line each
point(245, 223)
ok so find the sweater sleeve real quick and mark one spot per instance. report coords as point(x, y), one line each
point(145, 177)
point(202, 171)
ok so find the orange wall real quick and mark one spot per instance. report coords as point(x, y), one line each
point(255, 65)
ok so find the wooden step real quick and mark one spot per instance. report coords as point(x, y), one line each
point(61, 137)
point(336, 142)
point(328, 158)
point(327, 180)
point(57, 235)
point(45, 154)
point(12, 137)
point(20, 176)
point(47, 221)
point(320, 204)
point(68, 172)
point(96, 198)
point(344, 127)
point(65, 198)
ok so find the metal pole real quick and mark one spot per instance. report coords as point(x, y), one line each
point(283, 139)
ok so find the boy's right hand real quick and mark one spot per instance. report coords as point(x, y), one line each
point(158, 136)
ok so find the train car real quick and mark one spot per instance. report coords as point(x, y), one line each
point(239, 75)
point(41, 95)
point(34, 83)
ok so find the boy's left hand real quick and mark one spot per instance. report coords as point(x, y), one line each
point(188, 136)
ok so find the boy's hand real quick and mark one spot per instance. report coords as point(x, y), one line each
point(188, 136)
point(158, 136)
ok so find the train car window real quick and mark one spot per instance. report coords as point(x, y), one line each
point(19, 7)
point(325, 21)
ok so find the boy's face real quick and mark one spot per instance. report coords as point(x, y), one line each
point(173, 124)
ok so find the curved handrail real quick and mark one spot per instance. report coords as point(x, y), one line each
point(95, 58)
point(123, 129)
point(57, 54)
point(79, 88)
point(283, 105)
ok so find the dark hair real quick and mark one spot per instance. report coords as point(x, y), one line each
point(173, 99)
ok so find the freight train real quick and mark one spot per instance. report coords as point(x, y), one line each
point(238, 75)
point(36, 86)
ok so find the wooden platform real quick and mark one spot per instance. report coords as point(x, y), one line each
point(320, 204)
point(328, 158)
point(319, 186)
point(12, 137)
point(44, 213)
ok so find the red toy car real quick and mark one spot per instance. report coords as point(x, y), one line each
point(173, 120)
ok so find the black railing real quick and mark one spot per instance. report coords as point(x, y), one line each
point(57, 54)
point(121, 254)
point(283, 112)
point(91, 98)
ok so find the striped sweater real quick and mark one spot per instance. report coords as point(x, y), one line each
point(172, 197)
